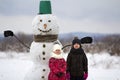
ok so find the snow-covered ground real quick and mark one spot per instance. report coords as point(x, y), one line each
point(101, 67)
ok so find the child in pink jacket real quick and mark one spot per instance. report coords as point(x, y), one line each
point(57, 64)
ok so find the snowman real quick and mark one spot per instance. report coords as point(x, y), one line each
point(45, 30)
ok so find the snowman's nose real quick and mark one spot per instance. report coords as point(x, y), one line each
point(45, 26)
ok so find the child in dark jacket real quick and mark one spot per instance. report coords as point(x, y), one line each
point(57, 64)
point(77, 63)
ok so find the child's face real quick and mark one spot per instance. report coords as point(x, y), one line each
point(57, 51)
point(76, 46)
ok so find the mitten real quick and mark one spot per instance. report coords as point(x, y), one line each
point(85, 75)
point(68, 76)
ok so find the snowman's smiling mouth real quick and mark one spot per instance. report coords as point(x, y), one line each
point(44, 31)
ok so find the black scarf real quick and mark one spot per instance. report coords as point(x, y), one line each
point(76, 51)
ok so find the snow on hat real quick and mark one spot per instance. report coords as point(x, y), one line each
point(76, 40)
point(45, 7)
point(57, 46)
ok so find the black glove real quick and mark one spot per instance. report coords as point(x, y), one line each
point(59, 74)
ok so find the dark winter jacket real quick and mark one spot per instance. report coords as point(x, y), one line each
point(57, 69)
point(77, 62)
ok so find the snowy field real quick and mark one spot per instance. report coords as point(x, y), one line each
point(101, 67)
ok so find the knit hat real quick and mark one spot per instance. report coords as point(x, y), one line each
point(45, 7)
point(57, 46)
point(76, 40)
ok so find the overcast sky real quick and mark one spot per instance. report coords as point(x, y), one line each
point(101, 16)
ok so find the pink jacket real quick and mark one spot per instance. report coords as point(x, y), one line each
point(57, 66)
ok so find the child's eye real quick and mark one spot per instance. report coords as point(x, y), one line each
point(49, 20)
point(40, 20)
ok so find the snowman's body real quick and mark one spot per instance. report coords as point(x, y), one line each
point(45, 30)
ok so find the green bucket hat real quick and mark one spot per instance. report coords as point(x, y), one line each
point(45, 7)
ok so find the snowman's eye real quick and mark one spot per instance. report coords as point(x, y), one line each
point(40, 20)
point(49, 20)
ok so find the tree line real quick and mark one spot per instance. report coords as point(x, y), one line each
point(109, 43)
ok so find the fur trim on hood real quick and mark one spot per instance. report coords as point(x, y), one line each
point(56, 56)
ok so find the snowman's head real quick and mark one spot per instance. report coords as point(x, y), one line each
point(45, 24)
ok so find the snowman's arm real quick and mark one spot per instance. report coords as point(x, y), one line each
point(58, 42)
